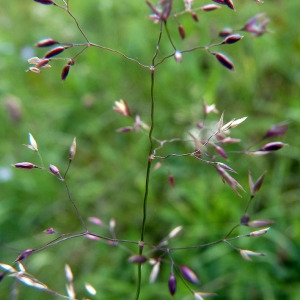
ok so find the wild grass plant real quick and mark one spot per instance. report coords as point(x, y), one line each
point(133, 237)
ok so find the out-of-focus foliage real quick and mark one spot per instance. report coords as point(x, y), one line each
point(107, 177)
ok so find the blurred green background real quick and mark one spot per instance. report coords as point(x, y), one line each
point(107, 177)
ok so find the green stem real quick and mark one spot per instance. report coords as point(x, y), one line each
point(147, 181)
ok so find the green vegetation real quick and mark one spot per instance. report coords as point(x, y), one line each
point(107, 177)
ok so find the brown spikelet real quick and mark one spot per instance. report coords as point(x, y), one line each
point(224, 60)
point(46, 43)
point(24, 255)
point(277, 130)
point(209, 7)
point(49, 231)
point(189, 274)
point(233, 38)
point(258, 233)
point(229, 3)
point(72, 150)
point(54, 52)
point(244, 220)
point(137, 259)
point(172, 284)
point(273, 146)
point(181, 31)
point(171, 180)
point(54, 170)
point(178, 56)
point(221, 151)
point(247, 253)
point(219, 1)
point(225, 32)
point(46, 2)
point(71, 62)
point(260, 223)
point(34, 70)
point(25, 165)
point(65, 72)
point(42, 63)
point(257, 185)
point(195, 16)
